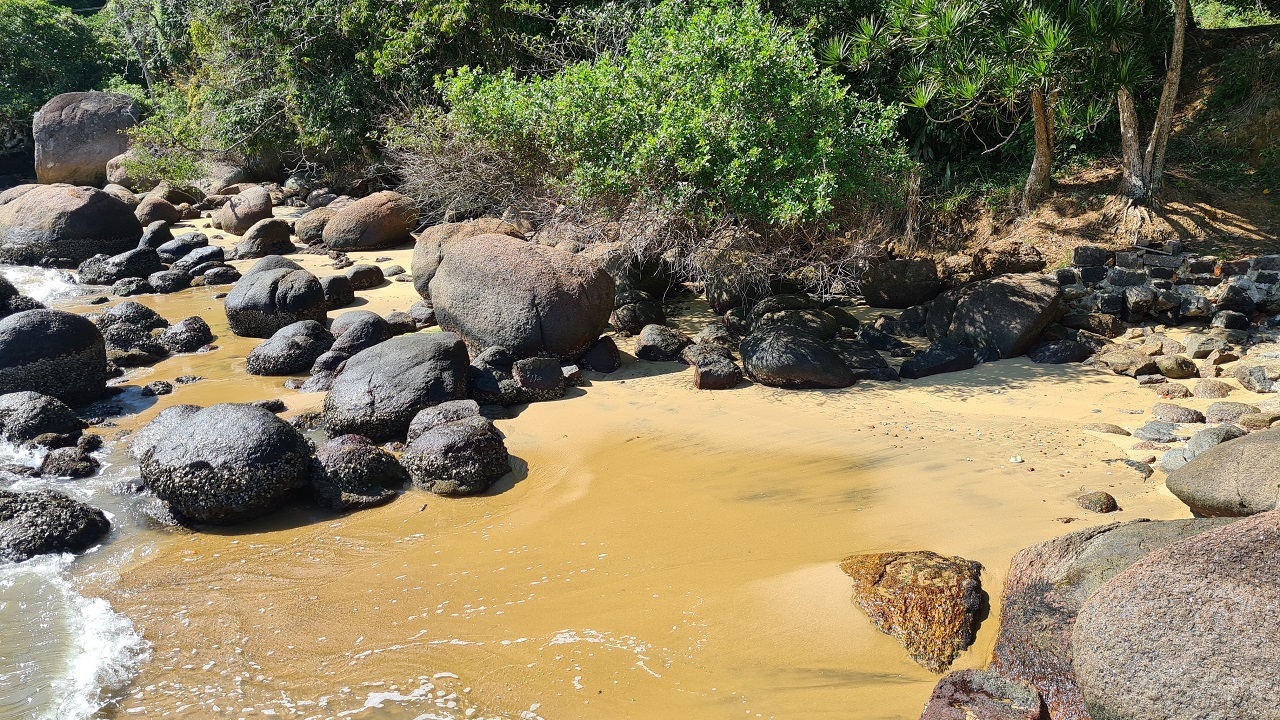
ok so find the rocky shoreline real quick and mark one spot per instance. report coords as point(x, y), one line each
point(511, 314)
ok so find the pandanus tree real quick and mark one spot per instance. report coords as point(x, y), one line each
point(1001, 62)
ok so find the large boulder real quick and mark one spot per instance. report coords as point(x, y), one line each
point(274, 293)
point(436, 240)
point(43, 224)
point(379, 220)
point(243, 210)
point(1006, 313)
point(55, 353)
point(77, 134)
point(310, 227)
point(384, 387)
point(928, 602)
point(291, 350)
point(1188, 632)
point(900, 283)
point(1046, 586)
point(46, 521)
point(1233, 479)
point(782, 356)
point(463, 457)
point(26, 415)
point(497, 291)
point(221, 464)
point(155, 208)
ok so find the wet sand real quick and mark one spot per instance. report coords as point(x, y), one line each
point(660, 552)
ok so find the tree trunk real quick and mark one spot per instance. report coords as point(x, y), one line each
point(1153, 161)
point(1132, 184)
point(1042, 164)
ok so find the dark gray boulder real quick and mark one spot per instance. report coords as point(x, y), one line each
point(781, 356)
point(463, 457)
point(384, 387)
point(269, 236)
point(863, 360)
point(350, 472)
point(659, 343)
point(602, 356)
point(46, 521)
point(1045, 589)
point(291, 350)
point(539, 379)
point(816, 322)
point(433, 417)
point(52, 352)
point(379, 220)
point(26, 416)
point(177, 249)
point(243, 210)
point(940, 357)
point(1006, 313)
point(900, 283)
point(272, 294)
point(223, 464)
point(106, 270)
point(634, 316)
point(168, 281)
point(133, 313)
point(1188, 631)
point(359, 330)
point(76, 134)
point(1232, 479)
point(46, 224)
point(155, 235)
point(494, 290)
point(338, 292)
point(364, 277)
point(187, 336)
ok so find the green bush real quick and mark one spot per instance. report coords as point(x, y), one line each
point(44, 51)
point(713, 110)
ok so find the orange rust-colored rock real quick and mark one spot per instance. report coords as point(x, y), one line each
point(930, 603)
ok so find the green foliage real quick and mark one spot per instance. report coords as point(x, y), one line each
point(1220, 14)
point(44, 51)
point(167, 145)
point(712, 110)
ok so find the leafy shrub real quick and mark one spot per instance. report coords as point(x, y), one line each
point(44, 51)
point(713, 110)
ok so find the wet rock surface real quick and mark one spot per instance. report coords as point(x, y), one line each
point(47, 521)
point(928, 602)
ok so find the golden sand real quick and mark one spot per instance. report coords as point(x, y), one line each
point(661, 552)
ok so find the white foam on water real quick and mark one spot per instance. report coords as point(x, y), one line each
point(87, 653)
point(43, 284)
point(11, 454)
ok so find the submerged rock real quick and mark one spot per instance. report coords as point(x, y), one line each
point(46, 521)
point(222, 464)
point(930, 603)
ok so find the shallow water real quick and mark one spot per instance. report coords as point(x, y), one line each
point(660, 552)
